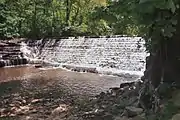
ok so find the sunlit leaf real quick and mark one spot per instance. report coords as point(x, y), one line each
point(171, 6)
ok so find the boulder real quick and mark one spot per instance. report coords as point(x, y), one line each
point(62, 108)
point(80, 69)
point(123, 85)
point(92, 70)
point(176, 98)
point(133, 111)
point(137, 118)
point(121, 118)
point(176, 117)
point(38, 66)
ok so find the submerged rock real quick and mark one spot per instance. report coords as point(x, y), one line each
point(80, 69)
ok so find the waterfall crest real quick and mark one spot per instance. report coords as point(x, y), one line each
point(120, 54)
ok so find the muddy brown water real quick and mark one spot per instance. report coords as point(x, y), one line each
point(81, 83)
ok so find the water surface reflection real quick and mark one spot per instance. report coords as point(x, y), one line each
point(89, 83)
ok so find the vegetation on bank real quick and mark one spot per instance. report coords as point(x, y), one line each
point(53, 18)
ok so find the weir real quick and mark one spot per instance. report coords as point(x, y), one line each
point(10, 54)
point(117, 54)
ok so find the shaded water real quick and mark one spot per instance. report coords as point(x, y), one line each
point(81, 83)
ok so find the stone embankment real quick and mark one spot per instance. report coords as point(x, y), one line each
point(10, 54)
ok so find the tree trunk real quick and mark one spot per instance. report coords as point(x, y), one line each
point(34, 28)
point(20, 23)
point(162, 66)
point(67, 12)
point(173, 53)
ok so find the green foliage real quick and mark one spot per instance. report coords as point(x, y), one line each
point(166, 113)
point(120, 17)
point(160, 19)
point(48, 18)
point(155, 20)
point(169, 110)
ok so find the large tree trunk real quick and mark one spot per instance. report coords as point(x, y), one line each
point(34, 18)
point(163, 66)
point(174, 50)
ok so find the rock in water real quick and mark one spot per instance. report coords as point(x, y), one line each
point(38, 66)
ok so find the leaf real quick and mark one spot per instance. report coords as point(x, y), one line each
point(168, 31)
point(171, 6)
point(177, 6)
point(2, 1)
point(146, 8)
point(174, 22)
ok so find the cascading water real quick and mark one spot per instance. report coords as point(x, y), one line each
point(10, 54)
point(27, 51)
point(30, 53)
point(115, 54)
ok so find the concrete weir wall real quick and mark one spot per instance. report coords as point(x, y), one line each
point(117, 52)
point(10, 54)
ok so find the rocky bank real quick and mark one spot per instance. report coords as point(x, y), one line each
point(19, 102)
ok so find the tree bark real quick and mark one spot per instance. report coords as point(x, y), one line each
point(164, 65)
point(173, 53)
point(34, 27)
point(67, 12)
